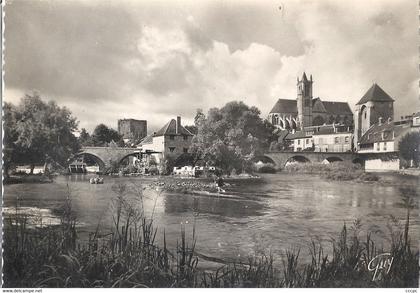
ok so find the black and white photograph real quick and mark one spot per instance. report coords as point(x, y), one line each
point(210, 144)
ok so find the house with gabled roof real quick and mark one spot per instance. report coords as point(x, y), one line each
point(171, 140)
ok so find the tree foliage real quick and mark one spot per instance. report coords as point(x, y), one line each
point(38, 132)
point(85, 139)
point(409, 147)
point(103, 135)
point(230, 137)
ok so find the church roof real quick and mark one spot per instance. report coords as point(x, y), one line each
point(317, 106)
point(332, 108)
point(170, 129)
point(337, 108)
point(375, 94)
point(285, 106)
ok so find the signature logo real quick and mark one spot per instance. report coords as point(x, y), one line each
point(380, 264)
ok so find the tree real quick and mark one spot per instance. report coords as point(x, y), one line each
point(103, 135)
point(85, 138)
point(231, 137)
point(11, 152)
point(39, 132)
point(409, 147)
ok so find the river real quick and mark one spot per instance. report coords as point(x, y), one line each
point(277, 212)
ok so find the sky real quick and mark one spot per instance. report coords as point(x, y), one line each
point(154, 60)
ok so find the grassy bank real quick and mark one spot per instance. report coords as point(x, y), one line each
point(27, 178)
point(341, 171)
point(128, 256)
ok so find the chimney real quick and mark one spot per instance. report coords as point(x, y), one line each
point(178, 124)
point(380, 121)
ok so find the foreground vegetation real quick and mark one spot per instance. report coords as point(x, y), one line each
point(129, 256)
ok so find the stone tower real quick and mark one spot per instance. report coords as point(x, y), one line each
point(304, 101)
point(375, 104)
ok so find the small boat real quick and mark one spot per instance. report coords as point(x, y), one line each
point(97, 180)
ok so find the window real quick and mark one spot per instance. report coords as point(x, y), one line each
point(385, 146)
point(185, 137)
point(307, 141)
point(365, 115)
point(171, 149)
point(171, 137)
point(378, 146)
point(347, 139)
point(336, 139)
point(185, 150)
point(298, 141)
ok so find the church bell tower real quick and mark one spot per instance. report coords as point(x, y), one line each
point(304, 101)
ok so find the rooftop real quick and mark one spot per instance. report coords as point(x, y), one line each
point(375, 94)
point(384, 132)
point(285, 106)
point(170, 129)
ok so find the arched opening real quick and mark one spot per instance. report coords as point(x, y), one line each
point(90, 163)
point(332, 160)
point(318, 120)
point(130, 161)
point(264, 164)
point(264, 160)
point(364, 123)
point(296, 160)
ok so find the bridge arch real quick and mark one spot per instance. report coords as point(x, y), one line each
point(98, 160)
point(264, 159)
point(333, 159)
point(296, 158)
point(135, 154)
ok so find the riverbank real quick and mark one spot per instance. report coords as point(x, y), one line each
point(27, 178)
point(337, 171)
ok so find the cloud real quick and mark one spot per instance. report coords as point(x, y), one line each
point(153, 61)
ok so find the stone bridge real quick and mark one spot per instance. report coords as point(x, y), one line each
point(281, 158)
point(103, 156)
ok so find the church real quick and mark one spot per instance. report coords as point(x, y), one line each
point(306, 111)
